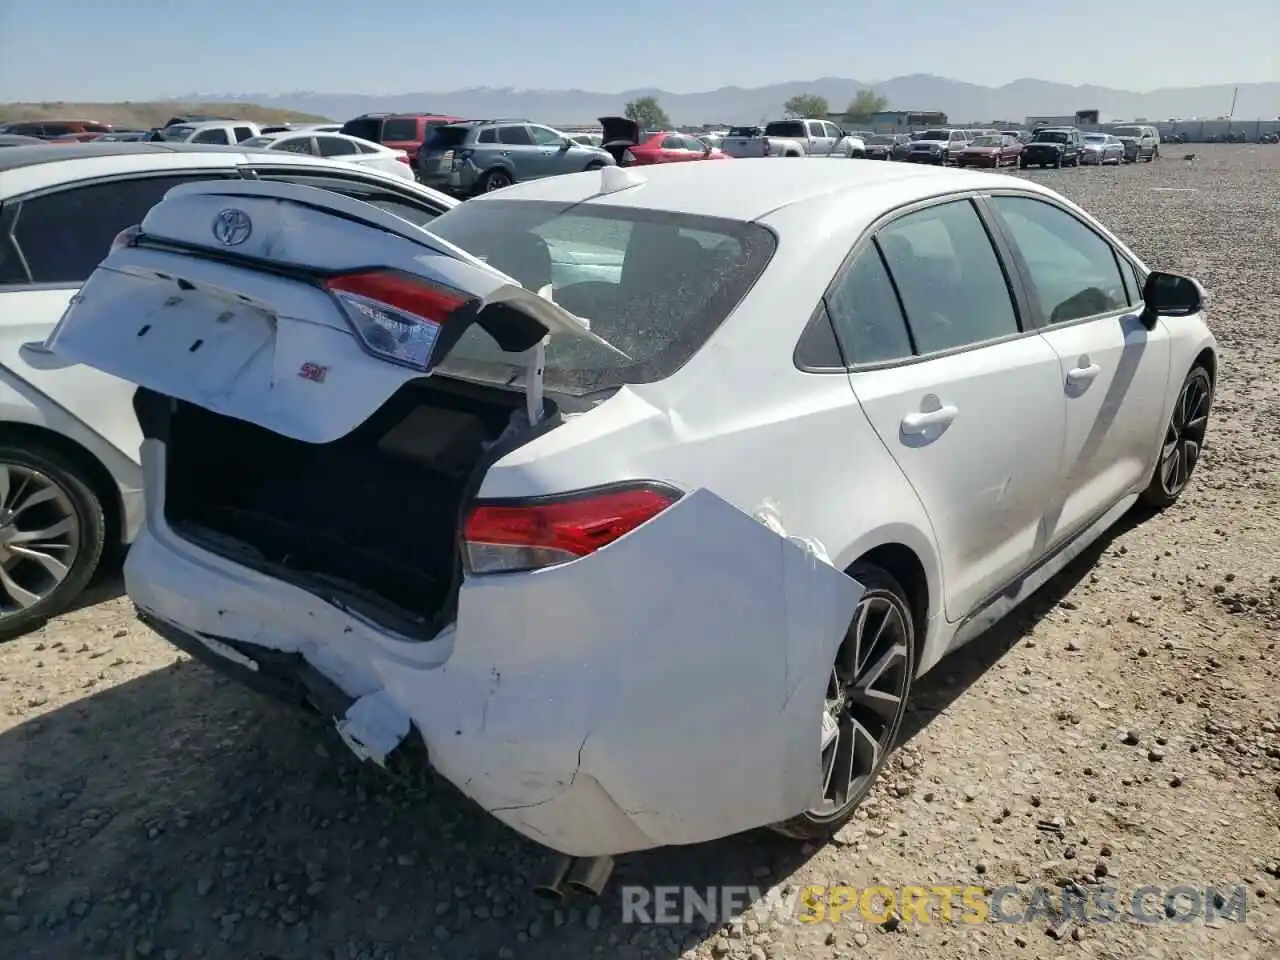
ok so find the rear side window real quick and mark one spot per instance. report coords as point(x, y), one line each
point(446, 138)
point(243, 134)
point(488, 135)
point(785, 128)
point(400, 130)
point(947, 274)
point(655, 284)
point(366, 128)
point(335, 147)
point(865, 313)
point(63, 236)
point(1073, 270)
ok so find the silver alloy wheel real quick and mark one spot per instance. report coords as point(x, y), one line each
point(39, 537)
point(864, 700)
point(1184, 437)
point(497, 180)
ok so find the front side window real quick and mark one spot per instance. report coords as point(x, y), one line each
point(952, 286)
point(1073, 270)
point(215, 135)
point(545, 136)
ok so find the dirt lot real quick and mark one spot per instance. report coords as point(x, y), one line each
point(1124, 731)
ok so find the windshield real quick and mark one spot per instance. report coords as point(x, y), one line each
point(1053, 136)
point(985, 142)
point(654, 284)
point(181, 132)
point(934, 135)
point(1127, 131)
point(1095, 138)
point(784, 128)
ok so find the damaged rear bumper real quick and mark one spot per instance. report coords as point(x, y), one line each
point(665, 690)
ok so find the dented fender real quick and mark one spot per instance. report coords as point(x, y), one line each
point(676, 675)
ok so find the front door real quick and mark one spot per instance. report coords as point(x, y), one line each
point(1113, 370)
point(967, 403)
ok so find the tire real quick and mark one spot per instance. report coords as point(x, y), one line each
point(73, 503)
point(494, 180)
point(884, 597)
point(1183, 441)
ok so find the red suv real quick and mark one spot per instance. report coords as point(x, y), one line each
point(399, 131)
point(62, 129)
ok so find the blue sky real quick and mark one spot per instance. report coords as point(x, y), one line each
point(91, 50)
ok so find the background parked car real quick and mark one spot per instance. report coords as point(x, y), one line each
point(218, 133)
point(1053, 147)
point(68, 434)
point(399, 131)
point(1141, 142)
point(991, 150)
point(940, 145)
point(18, 140)
point(631, 147)
point(476, 156)
point(796, 137)
point(48, 129)
point(1102, 148)
point(123, 136)
point(337, 146)
point(888, 146)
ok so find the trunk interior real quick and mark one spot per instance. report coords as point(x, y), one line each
point(369, 521)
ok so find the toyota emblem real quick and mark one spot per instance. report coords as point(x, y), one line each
point(232, 227)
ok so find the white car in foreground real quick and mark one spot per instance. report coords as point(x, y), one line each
point(70, 482)
point(667, 572)
point(336, 146)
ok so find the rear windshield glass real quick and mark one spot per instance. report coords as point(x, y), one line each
point(744, 131)
point(366, 128)
point(1053, 136)
point(399, 129)
point(878, 141)
point(785, 128)
point(1127, 131)
point(258, 142)
point(177, 133)
point(934, 135)
point(654, 284)
point(444, 138)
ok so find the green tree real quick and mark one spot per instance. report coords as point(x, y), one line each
point(806, 105)
point(648, 113)
point(862, 106)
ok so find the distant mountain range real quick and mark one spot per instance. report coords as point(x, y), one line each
point(959, 100)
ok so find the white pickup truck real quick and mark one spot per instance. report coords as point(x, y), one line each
point(792, 138)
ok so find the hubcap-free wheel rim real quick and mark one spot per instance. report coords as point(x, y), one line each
point(1184, 437)
point(864, 700)
point(497, 181)
point(39, 537)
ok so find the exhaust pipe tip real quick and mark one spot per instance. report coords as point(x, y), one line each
point(589, 875)
point(552, 887)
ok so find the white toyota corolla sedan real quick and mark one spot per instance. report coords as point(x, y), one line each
point(645, 537)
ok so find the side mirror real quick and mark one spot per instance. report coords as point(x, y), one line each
point(568, 143)
point(1170, 295)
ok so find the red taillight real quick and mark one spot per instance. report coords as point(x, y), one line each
point(396, 316)
point(505, 537)
point(404, 158)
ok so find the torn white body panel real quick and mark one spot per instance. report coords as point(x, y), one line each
point(667, 689)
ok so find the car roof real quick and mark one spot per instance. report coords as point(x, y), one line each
point(753, 188)
point(38, 167)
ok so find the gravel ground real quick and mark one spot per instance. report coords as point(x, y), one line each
point(1123, 730)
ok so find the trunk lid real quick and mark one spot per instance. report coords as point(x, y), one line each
point(222, 302)
point(618, 130)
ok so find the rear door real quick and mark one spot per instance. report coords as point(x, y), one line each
point(1113, 370)
point(515, 144)
point(820, 142)
point(964, 395)
point(52, 241)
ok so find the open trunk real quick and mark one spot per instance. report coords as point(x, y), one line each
point(369, 521)
point(285, 338)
